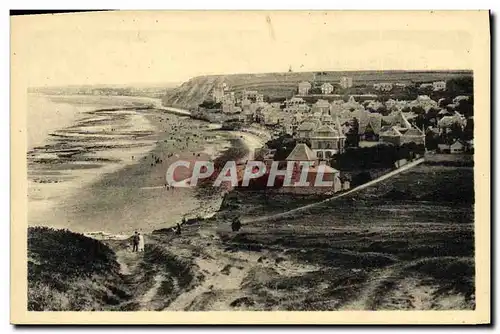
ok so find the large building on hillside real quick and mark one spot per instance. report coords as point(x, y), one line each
point(439, 85)
point(304, 87)
point(345, 82)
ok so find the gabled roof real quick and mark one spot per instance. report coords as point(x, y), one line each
point(400, 118)
point(301, 152)
point(328, 130)
point(322, 103)
point(413, 132)
point(392, 131)
point(307, 126)
point(373, 120)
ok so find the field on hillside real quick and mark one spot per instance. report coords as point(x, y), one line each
point(406, 243)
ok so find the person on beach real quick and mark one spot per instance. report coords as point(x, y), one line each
point(236, 225)
point(178, 230)
point(140, 247)
point(135, 242)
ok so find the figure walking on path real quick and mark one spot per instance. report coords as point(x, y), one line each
point(135, 242)
point(236, 225)
point(141, 243)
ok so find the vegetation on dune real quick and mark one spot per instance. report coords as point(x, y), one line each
point(405, 243)
point(69, 271)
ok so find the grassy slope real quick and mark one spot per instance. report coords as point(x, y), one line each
point(407, 243)
point(70, 272)
point(373, 250)
point(197, 89)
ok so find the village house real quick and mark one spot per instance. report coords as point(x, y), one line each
point(400, 85)
point(439, 85)
point(250, 95)
point(336, 107)
point(248, 115)
point(326, 88)
point(218, 93)
point(304, 87)
point(374, 105)
point(352, 105)
point(383, 86)
point(423, 101)
point(302, 153)
point(267, 115)
point(296, 105)
point(321, 106)
point(327, 140)
point(369, 126)
point(306, 128)
point(401, 132)
point(230, 108)
point(457, 147)
point(426, 85)
point(229, 98)
point(345, 82)
point(245, 104)
point(446, 122)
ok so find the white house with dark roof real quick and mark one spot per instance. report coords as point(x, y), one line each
point(439, 85)
point(326, 88)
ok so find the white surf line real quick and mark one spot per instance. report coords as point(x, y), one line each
point(363, 186)
point(173, 110)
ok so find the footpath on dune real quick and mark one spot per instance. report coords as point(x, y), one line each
point(204, 273)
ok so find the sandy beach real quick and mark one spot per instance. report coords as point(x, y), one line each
point(106, 171)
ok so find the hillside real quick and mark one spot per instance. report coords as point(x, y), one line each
point(279, 85)
point(71, 272)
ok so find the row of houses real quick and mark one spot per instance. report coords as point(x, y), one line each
point(326, 88)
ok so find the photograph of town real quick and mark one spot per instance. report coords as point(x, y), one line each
point(303, 188)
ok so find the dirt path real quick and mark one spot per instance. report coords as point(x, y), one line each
point(146, 300)
point(365, 298)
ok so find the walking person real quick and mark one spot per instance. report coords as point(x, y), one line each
point(135, 242)
point(236, 225)
point(140, 247)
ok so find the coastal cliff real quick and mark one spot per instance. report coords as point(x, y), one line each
point(283, 85)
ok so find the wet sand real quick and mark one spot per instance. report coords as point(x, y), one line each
point(107, 171)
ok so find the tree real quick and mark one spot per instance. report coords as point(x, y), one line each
point(431, 140)
point(418, 110)
point(466, 107)
point(469, 130)
point(352, 136)
point(461, 85)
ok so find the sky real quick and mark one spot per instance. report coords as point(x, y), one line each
point(154, 47)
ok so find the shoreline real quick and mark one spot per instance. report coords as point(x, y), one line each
point(131, 184)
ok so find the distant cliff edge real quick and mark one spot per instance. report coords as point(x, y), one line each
point(281, 85)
